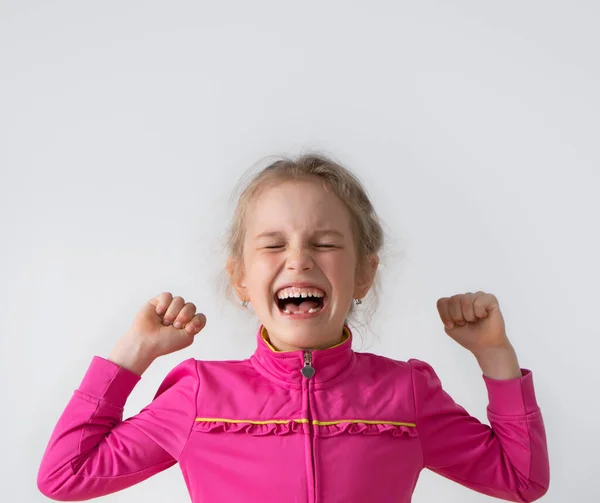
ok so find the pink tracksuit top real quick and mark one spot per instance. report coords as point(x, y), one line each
point(328, 426)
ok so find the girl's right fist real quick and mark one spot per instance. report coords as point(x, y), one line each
point(165, 324)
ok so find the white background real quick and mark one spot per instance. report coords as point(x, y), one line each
point(124, 127)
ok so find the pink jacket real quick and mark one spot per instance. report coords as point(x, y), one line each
point(330, 425)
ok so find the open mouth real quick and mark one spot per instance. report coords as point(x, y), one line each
point(294, 301)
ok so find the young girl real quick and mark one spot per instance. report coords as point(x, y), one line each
point(305, 418)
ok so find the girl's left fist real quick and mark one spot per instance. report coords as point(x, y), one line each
point(476, 321)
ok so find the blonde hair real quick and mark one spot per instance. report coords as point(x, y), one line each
point(367, 230)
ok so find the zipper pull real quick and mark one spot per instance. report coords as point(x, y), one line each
point(308, 370)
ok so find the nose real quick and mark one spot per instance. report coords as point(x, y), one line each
point(299, 260)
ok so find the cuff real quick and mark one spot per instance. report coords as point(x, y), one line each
point(108, 381)
point(512, 397)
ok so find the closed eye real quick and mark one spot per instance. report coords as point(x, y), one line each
point(324, 245)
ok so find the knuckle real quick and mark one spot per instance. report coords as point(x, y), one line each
point(174, 306)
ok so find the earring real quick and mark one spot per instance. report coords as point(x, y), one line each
point(357, 301)
point(245, 303)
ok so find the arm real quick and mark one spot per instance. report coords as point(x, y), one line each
point(507, 460)
point(93, 452)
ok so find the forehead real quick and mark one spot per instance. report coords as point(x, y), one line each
point(297, 205)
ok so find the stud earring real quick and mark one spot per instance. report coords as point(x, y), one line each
point(245, 303)
point(357, 301)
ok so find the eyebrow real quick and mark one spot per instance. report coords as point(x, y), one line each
point(327, 232)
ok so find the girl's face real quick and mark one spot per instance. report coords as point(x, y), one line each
point(300, 264)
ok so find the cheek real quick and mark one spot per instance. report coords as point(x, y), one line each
point(261, 268)
point(340, 269)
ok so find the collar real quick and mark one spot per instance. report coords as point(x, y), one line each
point(286, 366)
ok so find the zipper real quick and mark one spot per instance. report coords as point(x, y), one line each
point(308, 371)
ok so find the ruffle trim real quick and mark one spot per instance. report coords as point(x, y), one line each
point(327, 430)
point(251, 428)
point(331, 430)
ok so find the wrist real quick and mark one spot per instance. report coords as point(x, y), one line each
point(499, 362)
point(130, 354)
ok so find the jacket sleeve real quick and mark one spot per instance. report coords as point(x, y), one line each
point(507, 460)
point(93, 452)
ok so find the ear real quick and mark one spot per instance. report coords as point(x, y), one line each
point(365, 275)
point(236, 277)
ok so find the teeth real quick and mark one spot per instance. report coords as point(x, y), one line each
point(299, 292)
point(311, 310)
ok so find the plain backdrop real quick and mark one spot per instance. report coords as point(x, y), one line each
point(124, 127)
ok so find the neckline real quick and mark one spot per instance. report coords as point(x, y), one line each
point(285, 367)
point(262, 332)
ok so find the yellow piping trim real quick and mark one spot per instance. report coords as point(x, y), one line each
point(265, 336)
point(218, 419)
point(314, 422)
point(395, 423)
